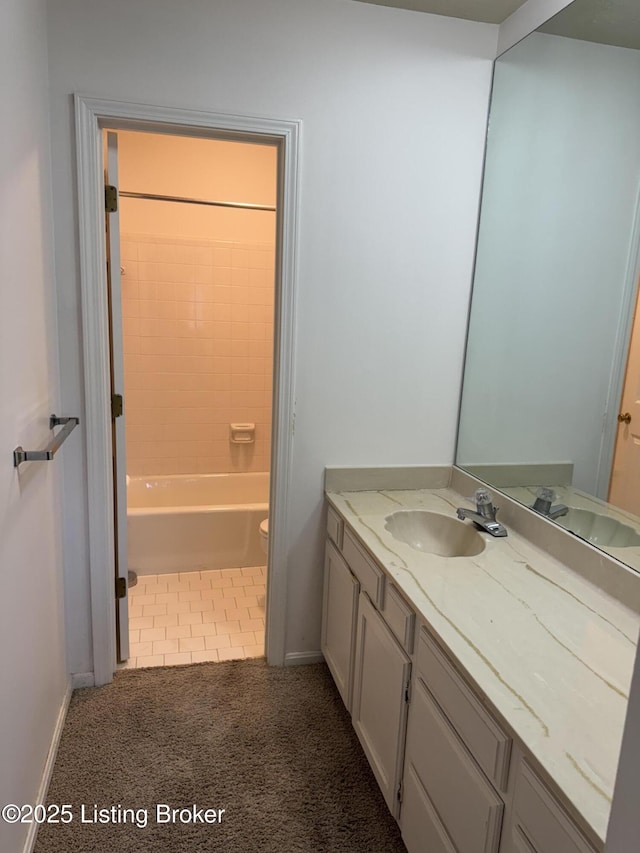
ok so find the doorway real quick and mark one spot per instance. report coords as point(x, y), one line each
point(196, 223)
point(93, 116)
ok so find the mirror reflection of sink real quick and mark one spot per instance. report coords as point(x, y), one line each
point(434, 533)
point(599, 529)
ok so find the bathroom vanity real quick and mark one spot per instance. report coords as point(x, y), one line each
point(488, 690)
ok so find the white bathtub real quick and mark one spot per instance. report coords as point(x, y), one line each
point(188, 522)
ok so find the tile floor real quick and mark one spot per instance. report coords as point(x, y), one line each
point(192, 617)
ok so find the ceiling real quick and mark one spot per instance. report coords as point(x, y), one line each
point(615, 22)
point(489, 11)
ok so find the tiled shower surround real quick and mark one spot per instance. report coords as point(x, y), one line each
point(198, 352)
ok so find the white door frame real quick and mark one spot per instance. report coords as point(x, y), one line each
point(93, 115)
point(620, 355)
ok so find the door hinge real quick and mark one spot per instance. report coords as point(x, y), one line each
point(121, 587)
point(117, 406)
point(110, 198)
point(399, 794)
point(407, 691)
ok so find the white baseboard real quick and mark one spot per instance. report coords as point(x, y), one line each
point(30, 841)
point(300, 658)
point(82, 679)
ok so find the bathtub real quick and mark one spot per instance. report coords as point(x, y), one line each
point(182, 523)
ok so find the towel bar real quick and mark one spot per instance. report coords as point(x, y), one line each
point(20, 455)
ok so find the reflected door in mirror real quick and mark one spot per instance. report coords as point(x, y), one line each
point(625, 475)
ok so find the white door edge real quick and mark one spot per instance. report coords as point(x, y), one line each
point(92, 115)
point(117, 387)
point(619, 363)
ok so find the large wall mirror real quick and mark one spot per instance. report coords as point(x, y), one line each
point(551, 394)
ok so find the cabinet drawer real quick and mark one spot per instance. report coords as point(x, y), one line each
point(541, 820)
point(335, 527)
point(370, 576)
point(486, 741)
point(399, 617)
point(468, 809)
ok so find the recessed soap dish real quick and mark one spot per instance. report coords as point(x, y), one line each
point(242, 433)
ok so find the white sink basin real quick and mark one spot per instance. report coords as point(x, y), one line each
point(434, 533)
point(600, 529)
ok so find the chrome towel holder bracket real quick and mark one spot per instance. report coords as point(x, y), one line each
point(20, 455)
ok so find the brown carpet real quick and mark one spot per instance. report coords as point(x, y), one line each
point(273, 747)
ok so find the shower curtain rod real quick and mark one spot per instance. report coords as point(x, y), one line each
point(182, 200)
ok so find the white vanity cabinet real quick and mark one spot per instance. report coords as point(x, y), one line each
point(451, 770)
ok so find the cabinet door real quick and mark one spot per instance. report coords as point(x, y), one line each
point(381, 679)
point(448, 804)
point(339, 612)
point(422, 829)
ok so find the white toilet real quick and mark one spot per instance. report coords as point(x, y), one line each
point(264, 535)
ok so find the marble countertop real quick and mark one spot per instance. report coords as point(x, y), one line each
point(551, 651)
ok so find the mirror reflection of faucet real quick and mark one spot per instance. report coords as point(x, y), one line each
point(484, 515)
point(544, 504)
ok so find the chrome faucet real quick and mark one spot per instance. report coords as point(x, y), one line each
point(543, 504)
point(484, 515)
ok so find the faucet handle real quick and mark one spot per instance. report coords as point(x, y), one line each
point(484, 504)
point(546, 494)
point(482, 497)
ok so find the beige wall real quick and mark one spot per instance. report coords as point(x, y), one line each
point(197, 296)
